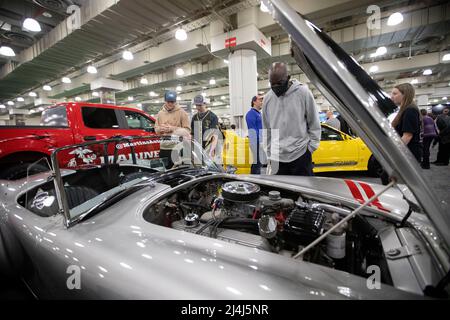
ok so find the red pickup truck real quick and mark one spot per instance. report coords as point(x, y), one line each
point(66, 124)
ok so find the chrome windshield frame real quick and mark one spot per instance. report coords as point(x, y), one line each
point(56, 170)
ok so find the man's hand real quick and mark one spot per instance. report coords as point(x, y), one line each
point(165, 128)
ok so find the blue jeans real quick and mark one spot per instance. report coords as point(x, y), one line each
point(256, 167)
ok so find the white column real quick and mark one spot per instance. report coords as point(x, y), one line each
point(243, 85)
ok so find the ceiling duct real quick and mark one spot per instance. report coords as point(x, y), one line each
point(59, 6)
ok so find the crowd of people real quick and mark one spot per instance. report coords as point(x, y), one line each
point(284, 126)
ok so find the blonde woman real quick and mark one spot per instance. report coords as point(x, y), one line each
point(408, 121)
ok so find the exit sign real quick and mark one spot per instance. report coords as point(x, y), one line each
point(230, 42)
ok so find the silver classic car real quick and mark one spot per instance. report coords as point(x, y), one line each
point(116, 224)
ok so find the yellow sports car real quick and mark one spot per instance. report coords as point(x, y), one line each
point(337, 152)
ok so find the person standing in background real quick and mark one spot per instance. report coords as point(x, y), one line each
point(408, 120)
point(254, 126)
point(443, 125)
point(292, 124)
point(171, 120)
point(429, 133)
point(205, 126)
point(344, 125)
point(332, 121)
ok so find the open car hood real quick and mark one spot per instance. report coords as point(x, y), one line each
point(362, 103)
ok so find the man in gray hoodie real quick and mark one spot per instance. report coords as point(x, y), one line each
point(291, 123)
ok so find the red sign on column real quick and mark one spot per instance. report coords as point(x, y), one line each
point(230, 42)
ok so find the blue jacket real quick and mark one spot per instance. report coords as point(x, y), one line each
point(254, 125)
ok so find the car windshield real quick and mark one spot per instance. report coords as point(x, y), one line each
point(118, 166)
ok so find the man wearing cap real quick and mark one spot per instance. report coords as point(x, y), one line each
point(254, 126)
point(171, 120)
point(205, 126)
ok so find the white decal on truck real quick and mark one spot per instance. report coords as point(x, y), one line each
point(128, 156)
point(86, 155)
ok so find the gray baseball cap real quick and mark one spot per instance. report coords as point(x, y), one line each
point(199, 100)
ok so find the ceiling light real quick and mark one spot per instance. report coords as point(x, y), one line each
point(32, 94)
point(395, 19)
point(446, 57)
point(263, 7)
point(212, 81)
point(66, 80)
point(414, 81)
point(435, 100)
point(444, 98)
point(127, 55)
point(41, 108)
point(181, 34)
point(10, 103)
point(204, 94)
point(47, 14)
point(180, 72)
point(130, 98)
point(373, 69)
point(179, 88)
point(20, 99)
point(77, 99)
point(7, 51)
point(139, 105)
point(157, 101)
point(47, 88)
point(380, 51)
point(178, 98)
point(152, 94)
point(2, 106)
point(95, 94)
point(31, 24)
point(91, 69)
point(226, 61)
point(427, 72)
point(144, 80)
point(228, 106)
point(222, 98)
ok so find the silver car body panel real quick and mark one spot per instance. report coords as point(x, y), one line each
point(122, 256)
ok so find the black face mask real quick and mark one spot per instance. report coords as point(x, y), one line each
point(281, 89)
